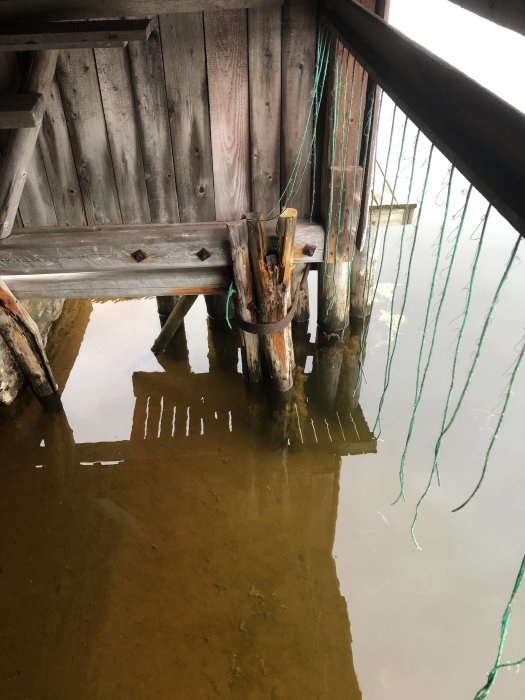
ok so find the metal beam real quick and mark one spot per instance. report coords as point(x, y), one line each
point(482, 135)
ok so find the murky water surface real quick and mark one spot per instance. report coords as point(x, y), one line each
point(158, 542)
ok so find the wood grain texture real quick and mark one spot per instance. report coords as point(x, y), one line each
point(227, 57)
point(264, 42)
point(35, 251)
point(132, 283)
point(188, 107)
point(36, 203)
point(298, 68)
point(51, 10)
point(57, 155)
point(119, 110)
point(77, 78)
point(21, 144)
point(20, 111)
point(150, 95)
point(63, 35)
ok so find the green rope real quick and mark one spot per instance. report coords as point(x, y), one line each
point(392, 345)
point(231, 292)
point(508, 394)
point(368, 282)
point(435, 467)
point(481, 340)
point(418, 392)
point(483, 692)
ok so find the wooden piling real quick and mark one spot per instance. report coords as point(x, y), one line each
point(272, 272)
point(23, 339)
point(245, 298)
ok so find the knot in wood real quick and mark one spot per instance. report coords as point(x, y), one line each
point(138, 255)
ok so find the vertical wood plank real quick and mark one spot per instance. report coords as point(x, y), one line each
point(227, 58)
point(264, 45)
point(77, 78)
point(123, 134)
point(188, 108)
point(298, 69)
point(57, 155)
point(150, 97)
point(36, 204)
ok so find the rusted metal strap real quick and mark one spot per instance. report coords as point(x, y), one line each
point(269, 328)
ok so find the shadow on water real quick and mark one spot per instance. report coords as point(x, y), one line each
point(194, 559)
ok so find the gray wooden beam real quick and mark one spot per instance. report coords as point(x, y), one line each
point(508, 13)
point(73, 35)
point(137, 247)
point(48, 10)
point(22, 142)
point(480, 133)
point(21, 111)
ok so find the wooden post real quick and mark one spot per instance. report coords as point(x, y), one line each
point(22, 144)
point(302, 313)
point(23, 339)
point(180, 309)
point(272, 272)
point(362, 281)
point(165, 307)
point(245, 298)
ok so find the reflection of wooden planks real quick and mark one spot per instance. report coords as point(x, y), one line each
point(188, 109)
point(227, 58)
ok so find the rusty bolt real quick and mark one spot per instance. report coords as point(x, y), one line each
point(139, 255)
point(309, 250)
point(203, 254)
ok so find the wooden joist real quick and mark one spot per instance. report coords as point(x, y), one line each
point(22, 144)
point(73, 35)
point(49, 10)
point(20, 111)
point(196, 246)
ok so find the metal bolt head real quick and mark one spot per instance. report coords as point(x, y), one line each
point(309, 250)
point(252, 306)
point(139, 255)
point(203, 254)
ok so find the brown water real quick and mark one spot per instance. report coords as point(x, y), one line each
point(157, 544)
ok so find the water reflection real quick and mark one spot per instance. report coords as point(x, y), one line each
point(193, 559)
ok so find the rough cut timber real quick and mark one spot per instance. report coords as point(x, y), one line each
point(22, 144)
point(20, 111)
point(49, 10)
point(73, 35)
point(130, 248)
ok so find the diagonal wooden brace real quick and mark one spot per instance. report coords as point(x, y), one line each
point(22, 337)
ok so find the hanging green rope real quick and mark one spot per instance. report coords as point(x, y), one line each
point(480, 342)
point(435, 468)
point(421, 375)
point(505, 620)
point(508, 394)
point(392, 342)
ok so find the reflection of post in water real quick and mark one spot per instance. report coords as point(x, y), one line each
point(353, 357)
point(223, 350)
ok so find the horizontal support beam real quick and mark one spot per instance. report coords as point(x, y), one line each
point(21, 111)
point(115, 285)
point(49, 10)
point(482, 135)
point(201, 246)
point(508, 13)
point(73, 35)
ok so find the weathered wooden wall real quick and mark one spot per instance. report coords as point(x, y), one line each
point(201, 122)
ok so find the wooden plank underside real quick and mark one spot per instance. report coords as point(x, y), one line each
point(73, 35)
point(111, 248)
point(20, 111)
point(49, 10)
